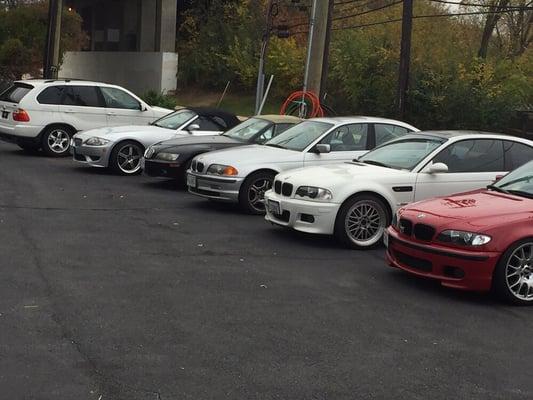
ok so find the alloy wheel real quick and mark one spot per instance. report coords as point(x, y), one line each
point(365, 223)
point(256, 194)
point(129, 159)
point(58, 141)
point(519, 272)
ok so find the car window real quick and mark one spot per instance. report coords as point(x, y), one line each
point(280, 128)
point(15, 93)
point(265, 136)
point(386, 132)
point(207, 124)
point(220, 122)
point(246, 130)
point(175, 120)
point(51, 95)
point(402, 153)
point(479, 155)
point(347, 138)
point(300, 136)
point(116, 98)
point(85, 96)
point(516, 154)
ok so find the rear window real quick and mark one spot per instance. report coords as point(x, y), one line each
point(51, 95)
point(15, 93)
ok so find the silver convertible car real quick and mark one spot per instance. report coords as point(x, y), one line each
point(121, 148)
point(245, 173)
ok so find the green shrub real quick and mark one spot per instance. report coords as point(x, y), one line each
point(159, 99)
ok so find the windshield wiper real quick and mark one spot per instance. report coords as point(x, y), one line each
point(521, 193)
point(497, 189)
point(372, 162)
point(277, 146)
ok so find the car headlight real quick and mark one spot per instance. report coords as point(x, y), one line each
point(218, 169)
point(314, 193)
point(96, 141)
point(167, 156)
point(463, 238)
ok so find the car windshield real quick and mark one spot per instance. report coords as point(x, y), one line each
point(175, 120)
point(300, 136)
point(402, 154)
point(519, 181)
point(248, 129)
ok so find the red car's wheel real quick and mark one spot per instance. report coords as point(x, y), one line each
point(513, 277)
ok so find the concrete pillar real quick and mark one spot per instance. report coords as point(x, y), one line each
point(147, 29)
point(165, 35)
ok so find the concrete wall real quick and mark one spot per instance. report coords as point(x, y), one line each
point(138, 72)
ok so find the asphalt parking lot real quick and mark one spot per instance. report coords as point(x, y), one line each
point(129, 288)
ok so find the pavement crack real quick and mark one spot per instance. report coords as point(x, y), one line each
point(107, 382)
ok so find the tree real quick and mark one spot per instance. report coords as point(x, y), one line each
point(23, 34)
point(498, 7)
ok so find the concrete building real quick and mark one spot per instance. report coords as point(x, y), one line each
point(131, 43)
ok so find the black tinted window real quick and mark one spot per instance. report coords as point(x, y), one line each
point(15, 93)
point(85, 96)
point(516, 154)
point(206, 124)
point(51, 95)
point(481, 155)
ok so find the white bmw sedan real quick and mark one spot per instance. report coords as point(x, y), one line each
point(245, 173)
point(357, 200)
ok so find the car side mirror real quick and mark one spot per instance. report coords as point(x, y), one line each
point(193, 127)
point(323, 148)
point(438, 168)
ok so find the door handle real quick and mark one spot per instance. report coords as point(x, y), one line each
point(70, 111)
point(111, 113)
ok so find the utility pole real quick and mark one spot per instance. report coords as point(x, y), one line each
point(325, 59)
point(53, 36)
point(316, 48)
point(271, 10)
point(405, 57)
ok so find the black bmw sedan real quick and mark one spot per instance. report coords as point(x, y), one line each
point(172, 158)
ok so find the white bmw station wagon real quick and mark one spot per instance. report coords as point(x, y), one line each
point(45, 114)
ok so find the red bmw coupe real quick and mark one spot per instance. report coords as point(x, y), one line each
point(478, 240)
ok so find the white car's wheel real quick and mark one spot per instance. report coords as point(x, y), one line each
point(125, 158)
point(361, 222)
point(56, 141)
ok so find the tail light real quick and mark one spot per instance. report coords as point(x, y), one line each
point(21, 116)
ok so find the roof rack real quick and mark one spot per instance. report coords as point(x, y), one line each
point(65, 80)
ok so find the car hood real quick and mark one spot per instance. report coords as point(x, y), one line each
point(331, 175)
point(192, 140)
point(117, 132)
point(252, 154)
point(472, 211)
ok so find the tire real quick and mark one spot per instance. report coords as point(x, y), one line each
point(252, 193)
point(370, 211)
point(513, 277)
point(56, 141)
point(125, 159)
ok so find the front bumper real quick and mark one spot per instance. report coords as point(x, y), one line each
point(214, 187)
point(303, 215)
point(162, 169)
point(96, 156)
point(460, 269)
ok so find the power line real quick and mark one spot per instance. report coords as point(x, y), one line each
point(357, 14)
point(390, 21)
point(474, 4)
